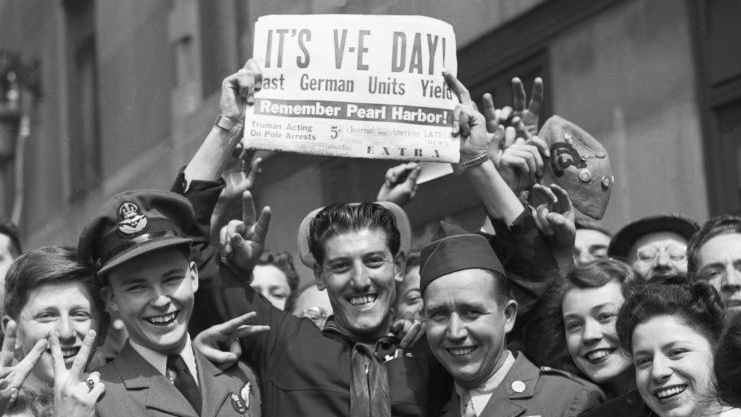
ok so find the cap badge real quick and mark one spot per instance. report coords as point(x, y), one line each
point(131, 221)
point(565, 155)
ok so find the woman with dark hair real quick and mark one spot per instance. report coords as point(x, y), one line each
point(275, 277)
point(727, 364)
point(583, 338)
point(672, 328)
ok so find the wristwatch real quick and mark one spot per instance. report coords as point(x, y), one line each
point(225, 123)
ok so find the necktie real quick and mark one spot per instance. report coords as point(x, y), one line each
point(468, 410)
point(184, 381)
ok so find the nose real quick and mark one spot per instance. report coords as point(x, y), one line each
point(663, 259)
point(731, 280)
point(65, 329)
point(583, 256)
point(160, 299)
point(660, 369)
point(360, 279)
point(592, 332)
point(456, 329)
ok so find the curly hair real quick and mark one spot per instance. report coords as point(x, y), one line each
point(696, 303)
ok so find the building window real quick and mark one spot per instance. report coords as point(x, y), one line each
point(84, 135)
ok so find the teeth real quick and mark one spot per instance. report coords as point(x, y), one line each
point(70, 352)
point(166, 319)
point(598, 354)
point(670, 392)
point(362, 300)
point(461, 351)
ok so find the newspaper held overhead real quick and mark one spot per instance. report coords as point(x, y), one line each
point(354, 86)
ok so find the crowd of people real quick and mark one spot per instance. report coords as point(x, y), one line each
point(167, 306)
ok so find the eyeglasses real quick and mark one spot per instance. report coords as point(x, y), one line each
point(650, 253)
point(316, 314)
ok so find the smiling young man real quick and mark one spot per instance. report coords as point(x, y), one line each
point(142, 261)
point(351, 366)
point(469, 313)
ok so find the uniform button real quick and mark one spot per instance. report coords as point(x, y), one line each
point(585, 175)
point(518, 386)
point(600, 155)
point(605, 182)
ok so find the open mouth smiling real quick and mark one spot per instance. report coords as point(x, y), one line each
point(668, 393)
point(461, 351)
point(598, 355)
point(162, 319)
point(362, 301)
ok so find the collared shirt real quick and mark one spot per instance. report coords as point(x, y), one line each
point(159, 360)
point(480, 396)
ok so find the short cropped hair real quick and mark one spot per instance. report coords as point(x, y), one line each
point(696, 303)
point(10, 230)
point(343, 218)
point(720, 225)
point(727, 366)
point(284, 262)
point(52, 264)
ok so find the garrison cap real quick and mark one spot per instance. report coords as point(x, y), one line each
point(454, 250)
point(579, 164)
point(133, 223)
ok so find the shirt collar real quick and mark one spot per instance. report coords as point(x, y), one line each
point(159, 360)
point(481, 395)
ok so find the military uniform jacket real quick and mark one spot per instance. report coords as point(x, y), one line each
point(133, 388)
point(531, 391)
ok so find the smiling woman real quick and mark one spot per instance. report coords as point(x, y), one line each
point(672, 329)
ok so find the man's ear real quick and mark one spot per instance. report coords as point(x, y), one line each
point(193, 271)
point(510, 315)
point(109, 298)
point(318, 278)
point(400, 263)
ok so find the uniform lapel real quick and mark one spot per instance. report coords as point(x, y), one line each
point(138, 374)
point(504, 401)
point(214, 390)
point(452, 408)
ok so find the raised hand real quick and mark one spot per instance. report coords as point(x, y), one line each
point(554, 215)
point(530, 115)
point(468, 122)
point(401, 183)
point(207, 342)
point(409, 330)
point(238, 89)
point(238, 179)
point(243, 241)
point(75, 394)
point(12, 377)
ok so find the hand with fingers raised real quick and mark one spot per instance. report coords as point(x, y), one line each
point(75, 394)
point(554, 216)
point(208, 341)
point(13, 376)
point(517, 154)
point(469, 124)
point(400, 185)
point(243, 241)
point(525, 119)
